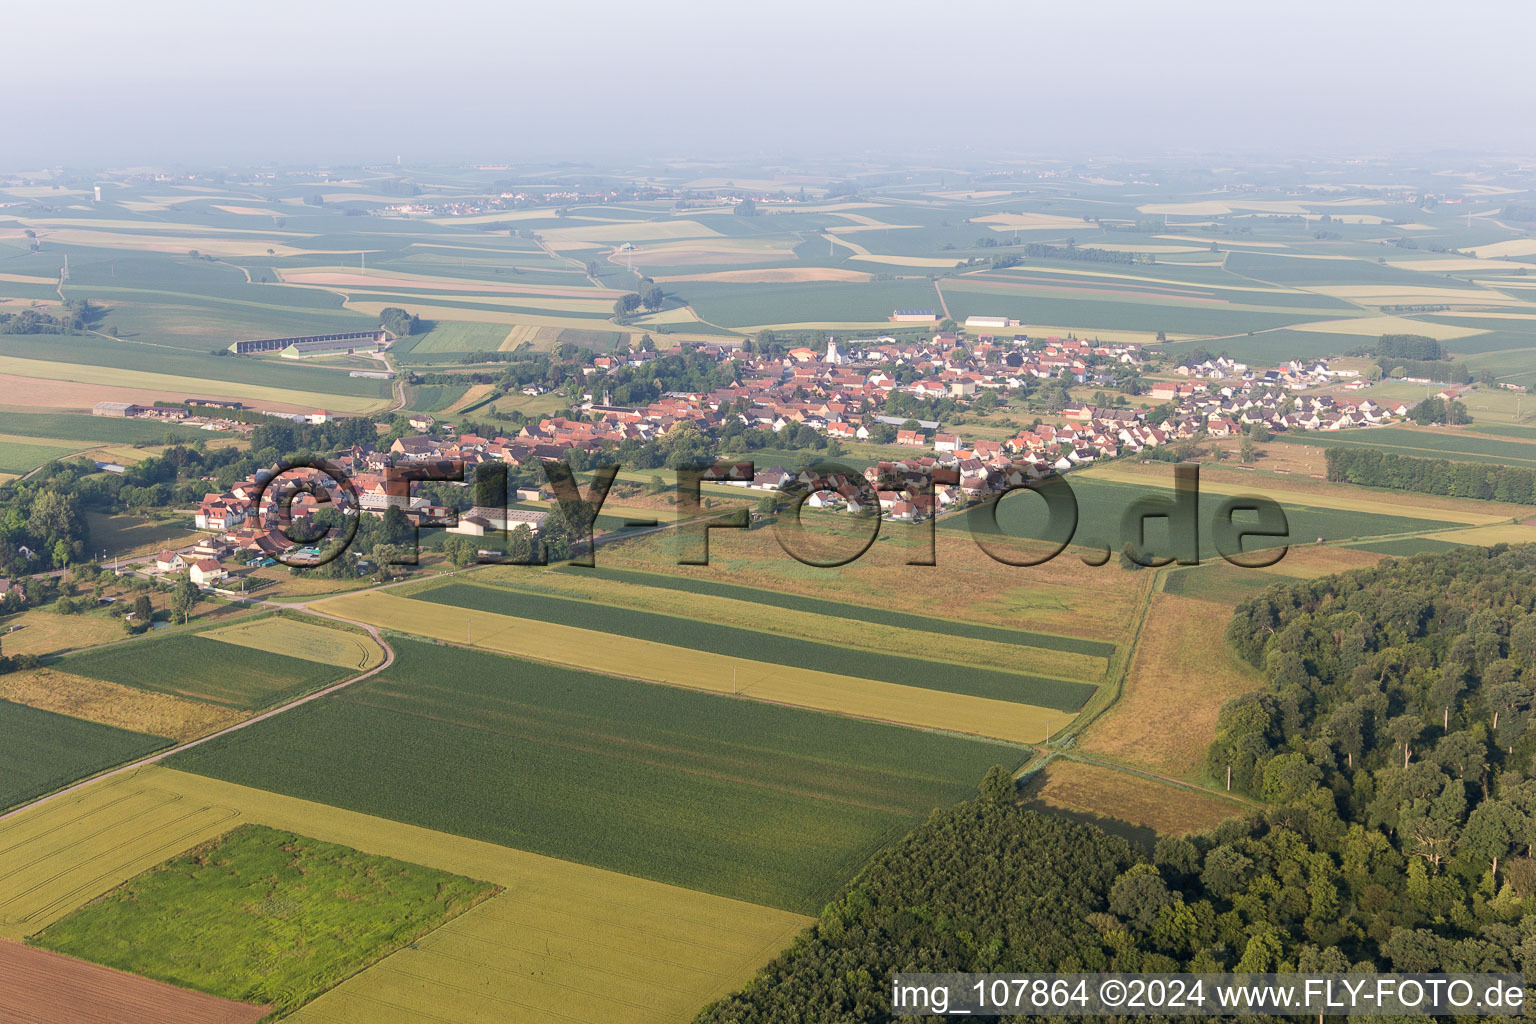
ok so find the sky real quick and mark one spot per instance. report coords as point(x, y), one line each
point(168, 82)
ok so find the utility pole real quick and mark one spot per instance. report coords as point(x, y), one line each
point(1229, 778)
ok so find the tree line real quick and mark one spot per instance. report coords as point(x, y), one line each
point(1489, 481)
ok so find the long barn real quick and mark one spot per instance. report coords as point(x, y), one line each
point(350, 342)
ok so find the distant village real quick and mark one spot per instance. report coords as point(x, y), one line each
point(845, 392)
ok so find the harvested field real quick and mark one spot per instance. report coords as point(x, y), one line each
point(39, 986)
point(1180, 676)
point(1095, 792)
point(122, 707)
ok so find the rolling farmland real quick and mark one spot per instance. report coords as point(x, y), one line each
point(675, 949)
point(609, 772)
point(703, 670)
point(769, 648)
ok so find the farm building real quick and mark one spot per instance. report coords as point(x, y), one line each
point(988, 321)
point(116, 409)
point(354, 341)
point(915, 316)
point(483, 519)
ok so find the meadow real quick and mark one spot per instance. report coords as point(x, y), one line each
point(199, 668)
point(768, 648)
point(609, 772)
point(23, 457)
point(310, 914)
point(44, 750)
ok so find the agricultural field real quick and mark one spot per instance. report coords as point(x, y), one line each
point(768, 648)
point(122, 707)
point(43, 631)
point(44, 750)
point(310, 913)
point(1103, 497)
point(840, 609)
point(125, 535)
point(609, 772)
point(200, 668)
point(703, 670)
point(675, 949)
point(1456, 444)
point(62, 990)
point(324, 645)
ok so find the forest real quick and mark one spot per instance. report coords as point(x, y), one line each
point(1391, 749)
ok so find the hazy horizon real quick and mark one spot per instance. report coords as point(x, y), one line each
point(177, 82)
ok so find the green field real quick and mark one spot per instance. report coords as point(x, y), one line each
point(440, 337)
point(859, 613)
point(1446, 443)
point(1102, 504)
point(754, 801)
point(434, 397)
point(188, 665)
point(262, 916)
point(1061, 694)
point(41, 751)
point(24, 458)
point(96, 429)
point(1405, 546)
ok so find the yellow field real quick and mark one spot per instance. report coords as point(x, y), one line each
point(628, 231)
point(302, 640)
point(1444, 265)
point(44, 631)
point(1009, 221)
point(559, 930)
point(1513, 247)
point(176, 244)
point(28, 279)
point(81, 373)
point(702, 670)
point(492, 316)
point(1057, 271)
point(158, 714)
point(1216, 208)
point(546, 952)
point(395, 280)
point(1404, 506)
point(1389, 325)
point(903, 261)
point(773, 275)
point(1507, 533)
point(1398, 295)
